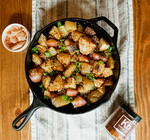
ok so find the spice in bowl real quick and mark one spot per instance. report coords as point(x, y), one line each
point(15, 37)
point(121, 123)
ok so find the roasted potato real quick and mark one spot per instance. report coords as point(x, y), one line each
point(107, 72)
point(49, 94)
point(68, 42)
point(99, 82)
point(47, 65)
point(52, 43)
point(46, 81)
point(83, 58)
point(63, 30)
point(64, 58)
point(103, 45)
point(76, 35)
point(78, 78)
point(36, 59)
point(71, 92)
point(86, 68)
point(42, 40)
point(52, 51)
point(98, 69)
point(59, 102)
point(70, 70)
point(43, 56)
point(86, 45)
point(57, 85)
point(80, 28)
point(95, 39)
point(72, 48)
point(41, 48)
point(78, 102)
point(102, 89)
point(74, 58)
point(111, 62)
point(89, 31)
point(108, 81)
point(58, 66)
point(70, 26)
point(71, 83)
point(55, 33)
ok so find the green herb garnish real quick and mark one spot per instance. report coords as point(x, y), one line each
point(35, 49)
point(77, 51)
point(46, 98)
point(63, 77)
point(63, 36)
point(100, 62)
point(59, 24)
point(61, 40)
point(42, 87)
point(73, 74)
point(103, 54)
point(47, 54)
point(45, 73)
point(54, 73)
point(64, 97)
point(70, 99)
point(90, 76)
point(78, 64)
point(77, 70)
point(54, 58)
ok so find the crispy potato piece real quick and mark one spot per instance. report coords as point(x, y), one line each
point(89, 31)
point(52, 43)
point(76, 35)
point(52, 51)
point(103, 45)
point(58, 66)
point(70, 26)
point(107, 72)
point(47, 65)
point(98, 69)
point(68, 42)
point(78, 102)
point(94, 96)
point(63, 30)
point(74, 58)
point(108, 82)
point(80, 28)
point(86, 68)
point(55, 33)
point(87, 84)
point(64, 58)
point(42, 40)
point(81, 90)
point(59, 102)
point(43, 56)
point(49, 95)
point(70, 70)
point(102, 89)
point(72, 48)
point(99, 82)
point(71, 83)
point(111, 62)
point(95, 39)
point(86, 45)
point(83, 58)
point(36, 59)
point(78, 78)
point(97, 56)
point(41, 48)
point(46, 81)
point(57, 85)
point(71, 92)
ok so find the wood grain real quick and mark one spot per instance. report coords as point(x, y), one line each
point(142, 66)
point(14, 97)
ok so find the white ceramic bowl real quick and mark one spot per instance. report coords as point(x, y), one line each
point(4, 36)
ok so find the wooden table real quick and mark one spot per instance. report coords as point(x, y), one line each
point(14, 97)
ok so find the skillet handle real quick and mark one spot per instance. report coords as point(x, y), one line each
point(27, 114)
point(115, 36)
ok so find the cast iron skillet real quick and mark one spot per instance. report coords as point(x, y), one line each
point(39, 101)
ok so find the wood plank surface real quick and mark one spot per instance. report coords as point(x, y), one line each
point(14, 97)
point(141, 11)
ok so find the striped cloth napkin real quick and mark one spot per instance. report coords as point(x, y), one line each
point(50, 125)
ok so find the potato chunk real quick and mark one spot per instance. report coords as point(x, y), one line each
point(103, 45)
point(107, 72)
point(83, 58)
point(63, 30)
point(64, 58)
point(36, 59)
point(59, 102)
point(47, 65)
point(98, 69)
point(78, 78)
point(87, 84)
point(55, 33)
point(74, 58)
point(78, 102)
point(57, 85)
point(89, 31)
point(102, 89)
point(71, 83)
point(50, 95)
point(111, 62)
point(52, 43)
point(42, 40)
point(76, 35)
point(46, 81)
point(86, 45)
point(68, 42)
point(99, 82)
point(58, 66)
point(86, 68)
point(52, 51)
point(41, 48)
point(70, 26)
point(70, 70)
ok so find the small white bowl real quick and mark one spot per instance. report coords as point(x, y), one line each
point(4, 37)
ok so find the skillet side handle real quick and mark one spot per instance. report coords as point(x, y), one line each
point(27, 114)
point(115, 36)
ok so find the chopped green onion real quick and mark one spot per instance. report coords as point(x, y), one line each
point(41, 85)
point(92, 89)
point(54, 73)
point(63, 36)
point(64, 97)
point(62, 49)
point(58, 23)
point(45, 73)
point(70, 99)
point(103, 54)
point(90, 76)
point(110, 49)
point(63, 77)
point(78, 64)
point(77, 70)
point(74, 74)
point(47, 54)
point(100, 62)
point(77, 51)
point(63, 45)
point(61, 40)
point(35, 49)
point(46, 98)
point(54, 58)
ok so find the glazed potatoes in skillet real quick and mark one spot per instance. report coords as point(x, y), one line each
point(72, 65)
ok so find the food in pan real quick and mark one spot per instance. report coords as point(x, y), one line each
point(72, 65)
